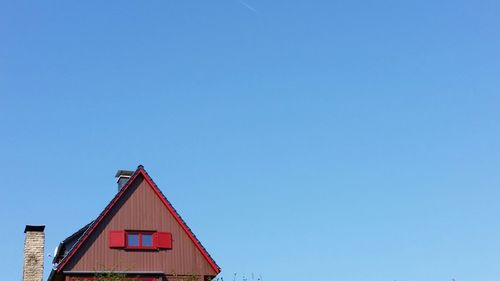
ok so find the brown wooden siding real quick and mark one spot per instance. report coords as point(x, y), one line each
point(140, 209)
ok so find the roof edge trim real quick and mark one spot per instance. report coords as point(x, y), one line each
point(140, 171)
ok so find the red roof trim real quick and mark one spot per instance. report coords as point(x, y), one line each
point(140, 170)
point(180, 221)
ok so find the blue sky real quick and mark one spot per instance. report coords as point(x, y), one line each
point(300, 140)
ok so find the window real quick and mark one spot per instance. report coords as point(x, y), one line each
point(139, 240)
point(147, 240)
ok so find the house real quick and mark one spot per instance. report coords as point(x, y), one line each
point(138, 236)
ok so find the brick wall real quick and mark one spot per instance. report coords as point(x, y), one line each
point(33, 255)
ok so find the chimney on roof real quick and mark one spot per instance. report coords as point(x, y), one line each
point(122, 177)
point(34, 243)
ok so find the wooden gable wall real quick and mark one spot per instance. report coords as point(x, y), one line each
point(140, 209)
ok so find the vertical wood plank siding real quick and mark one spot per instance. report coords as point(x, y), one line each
point(140, 209)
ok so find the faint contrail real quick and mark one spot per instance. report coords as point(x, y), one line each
point(247, 6)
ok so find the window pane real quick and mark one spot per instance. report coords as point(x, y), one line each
point(147, 240)
point(133, 240)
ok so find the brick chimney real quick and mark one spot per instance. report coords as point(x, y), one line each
point(34, 243)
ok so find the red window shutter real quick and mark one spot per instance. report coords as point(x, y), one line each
point(163, 240)
point(117, 239)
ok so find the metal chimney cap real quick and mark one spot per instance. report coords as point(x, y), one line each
point(124, 173)
point(34, 228)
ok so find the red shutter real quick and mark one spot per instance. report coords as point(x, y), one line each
point(117, 239)
point(163, 240)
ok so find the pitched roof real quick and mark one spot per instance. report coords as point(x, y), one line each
point(67, 242)
point(85, 232)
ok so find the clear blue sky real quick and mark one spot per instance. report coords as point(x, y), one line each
point(301, 140)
